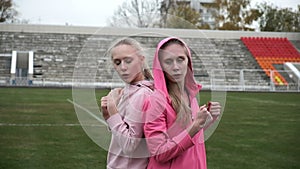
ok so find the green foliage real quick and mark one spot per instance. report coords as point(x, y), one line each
point(187, 13)
point(228, 15)
point(183, 16)
point(234, 14)
point(237, 15)
point(204, 26)
point(275, 19)
point(7, 12)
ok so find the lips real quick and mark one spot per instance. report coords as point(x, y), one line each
point(176, 75)
point(125, 76)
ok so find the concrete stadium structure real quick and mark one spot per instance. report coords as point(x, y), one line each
point(65, 56)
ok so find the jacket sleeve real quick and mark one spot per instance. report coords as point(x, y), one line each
point(128, 131)
point(162, 143)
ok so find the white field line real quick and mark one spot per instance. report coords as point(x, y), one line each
point(48, 125)
point(90, 113)
point(36, 125)
point(103, 123)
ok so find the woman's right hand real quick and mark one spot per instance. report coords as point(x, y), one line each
point(203, 118)
point(105, 113)
point(109, 103)
point(113, 99)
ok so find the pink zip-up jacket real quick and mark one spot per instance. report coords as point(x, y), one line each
point(128, 149)
point(170, 145)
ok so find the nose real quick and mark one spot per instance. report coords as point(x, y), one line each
point(123, 66)
point(175, 66)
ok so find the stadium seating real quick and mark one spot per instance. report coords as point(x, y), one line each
point(74, 55)
point(268, 51)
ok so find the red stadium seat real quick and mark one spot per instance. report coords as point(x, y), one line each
point(272, 50)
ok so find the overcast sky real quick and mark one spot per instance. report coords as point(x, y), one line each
point(85, 12)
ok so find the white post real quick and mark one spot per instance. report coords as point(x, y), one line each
point(30, 63)
point(13, 63)
point(272, 84)
point(13, 67)
point(242, 79)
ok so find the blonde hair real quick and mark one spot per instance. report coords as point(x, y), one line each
point(135, 44)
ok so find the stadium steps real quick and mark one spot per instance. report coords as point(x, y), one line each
point(4, 66)
point(56, 56)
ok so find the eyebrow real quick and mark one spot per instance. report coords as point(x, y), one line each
point(180, 56)
point(126, 57)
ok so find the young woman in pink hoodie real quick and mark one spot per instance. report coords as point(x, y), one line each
point(174, 122)
point(122, 107)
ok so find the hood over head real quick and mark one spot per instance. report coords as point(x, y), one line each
point(159, 77)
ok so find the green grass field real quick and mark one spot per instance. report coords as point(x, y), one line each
point(39, 129)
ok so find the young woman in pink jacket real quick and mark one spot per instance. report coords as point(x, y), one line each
point(122, 107)
point(174, 122)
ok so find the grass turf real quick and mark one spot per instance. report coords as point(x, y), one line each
point(257, 130)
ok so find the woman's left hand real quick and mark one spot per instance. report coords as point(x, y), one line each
point(215, 110)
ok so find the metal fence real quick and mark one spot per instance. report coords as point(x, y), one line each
point(217, 79)
point(251, 80)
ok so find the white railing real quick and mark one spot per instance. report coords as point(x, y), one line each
point(217, 79)
point(250, 80)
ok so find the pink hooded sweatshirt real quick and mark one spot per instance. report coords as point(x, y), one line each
point(170, 145)
point(128, 149)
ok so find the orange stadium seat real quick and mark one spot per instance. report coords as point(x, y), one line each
point(272, 50)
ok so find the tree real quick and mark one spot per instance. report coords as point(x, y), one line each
point(279, 20)
point(183, 16)
point(7, 12)
point(156, 13)
point(234, 14)
point(137, 13)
